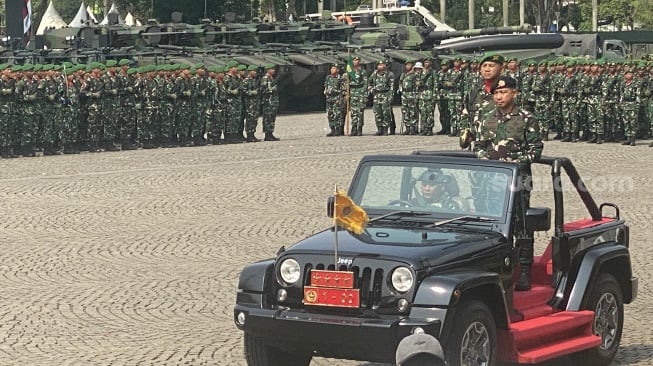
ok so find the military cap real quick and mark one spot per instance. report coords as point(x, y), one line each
point(380, 62)
point(444, 62)
point(232, 63)
point(192, 71)
point(433, 177)
point(458, 58)
point(493, 57)
point(111, 63)
point(512, 58)
point(37, 67)
point(252, 68)
point(532, 63)
point(418, 65)
point(132, 70)
point(334, 65)
point(123, 62)
point(409, 62)
point(96, 66)
point(3, 66)
point(269, 66)
point(570, 63)
point(16, 68)
point(504, 82)
point(543, 63)
point(47, 67)
point(356, 58)
point(241, 68)
point(199, 66)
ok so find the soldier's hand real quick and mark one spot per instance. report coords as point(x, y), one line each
point(187, 93)
point(51, 97)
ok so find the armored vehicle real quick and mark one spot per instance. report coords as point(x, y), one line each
point(446, 270)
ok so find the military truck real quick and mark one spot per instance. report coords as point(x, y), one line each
point(446, 270)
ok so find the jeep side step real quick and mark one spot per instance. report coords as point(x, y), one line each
point(548, 337)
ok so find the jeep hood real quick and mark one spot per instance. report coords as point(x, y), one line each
point(437, 245)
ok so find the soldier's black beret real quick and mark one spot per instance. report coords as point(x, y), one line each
point(504, 82)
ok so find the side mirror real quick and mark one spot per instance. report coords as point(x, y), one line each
point(538, 219)
point(331, 201)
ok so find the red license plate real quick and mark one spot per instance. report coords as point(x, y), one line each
point(336, 279)
point(338, 297)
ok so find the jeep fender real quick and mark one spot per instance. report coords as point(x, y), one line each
point(252, 283)
point(444, 291)
point(613, 259)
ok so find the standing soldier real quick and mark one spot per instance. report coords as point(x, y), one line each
point(333, 91)
point(127, 116)
point(408, 87)
point(93, 91)
point(381, 87)
point(217, 109)
point(233, 105)
point(55, 103)
point(643, 80)
point(269, 102)
point(167, 105)
point(426, 107)
point(252, 102)
point(509, 133)
point(630, 100)
point(150, 106)
point(7, 106)
point(568, 92)
point(185, 99)
point(26, 111)
point(443, 103)
point(480, 96)
point(453, 88)
point(357, 79)
point(593, 101)
point(541, 94)
point(69, 89)
point(527, 87)
point(200, 104)
point(111, 107)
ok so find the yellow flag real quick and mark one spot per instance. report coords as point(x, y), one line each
point(349, 215)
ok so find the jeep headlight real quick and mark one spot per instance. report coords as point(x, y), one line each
point(402, 279)
point(289, 271)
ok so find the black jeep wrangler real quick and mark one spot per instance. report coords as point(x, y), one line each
point(444, 267)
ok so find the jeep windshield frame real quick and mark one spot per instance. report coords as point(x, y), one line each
point(386, 183)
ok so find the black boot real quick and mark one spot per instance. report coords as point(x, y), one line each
point(270, 137)
point(599, 139)
point(341, 130)
point(558, 136)
point(574, 137)
point(251, 137)
point(632, 140)
point(627, 142)
point(413, 130)
point(428, 132)
point(385, 131)
point(454, 132)
point(379, 131)
point(592, 139)
point(407, 131)
point(359, 131)
point(352, 132)
point(524, 280)
point(389, 130)
point(330, 134)
point(650, 145)
point(566, 137)
point(443, 131)
point(584, 136)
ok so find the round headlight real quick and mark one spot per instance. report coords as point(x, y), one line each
point(402, 279)
point(289, 271)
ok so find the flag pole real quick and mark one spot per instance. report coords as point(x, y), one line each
point(347, 105)
point(335, 228)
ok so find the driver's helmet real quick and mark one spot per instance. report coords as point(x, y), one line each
point(433, 177)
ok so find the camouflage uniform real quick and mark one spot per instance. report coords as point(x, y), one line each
point(185, 117)
point(149, 111)
point(453, 85)
point(381, 86)
point(94, 92)
point(252, 103)
point(126, 114)
point(167, 109)
point(357, 100)
point(518, 132)
point(70, 90)
point(269, 102)
point(199, 104)
point(610, 97)
point(408, 88)
point(233, 107)
point(28, 114)
point(217, 111)
point(425, 92)
point(541, 95)
point(333, 91)
point(443, 103)
point(568, 91)
point(593, 100)
point(630, 100)
point(7, 116)
point(54, 101)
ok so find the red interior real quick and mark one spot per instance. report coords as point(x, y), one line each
point(538, 332)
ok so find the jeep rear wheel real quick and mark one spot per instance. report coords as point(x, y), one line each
point(259, 353)
point(606, 301)
point(473, 340)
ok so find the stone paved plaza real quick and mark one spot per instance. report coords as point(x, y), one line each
point(132, 257)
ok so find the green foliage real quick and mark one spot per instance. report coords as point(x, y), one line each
point(621, 11)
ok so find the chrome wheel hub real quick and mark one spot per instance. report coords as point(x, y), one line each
point(606, 320)
point(475, 349)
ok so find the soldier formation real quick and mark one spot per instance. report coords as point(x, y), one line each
point(578, 99)
point(70, 108)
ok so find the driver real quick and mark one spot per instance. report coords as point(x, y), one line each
point(432, 192)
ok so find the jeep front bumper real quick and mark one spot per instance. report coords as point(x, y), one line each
point(365, 339)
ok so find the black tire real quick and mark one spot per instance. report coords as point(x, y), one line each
point(259, 353)
point(606, 300)
point(473, 339)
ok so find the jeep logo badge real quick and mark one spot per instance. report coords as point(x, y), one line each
point(345, 261)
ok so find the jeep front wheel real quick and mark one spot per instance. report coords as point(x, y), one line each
point(259, 353)
point(473, 340)
point(606, 301)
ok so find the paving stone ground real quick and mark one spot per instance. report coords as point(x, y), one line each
point(132, 257)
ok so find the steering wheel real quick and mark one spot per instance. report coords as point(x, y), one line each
point(400, 202)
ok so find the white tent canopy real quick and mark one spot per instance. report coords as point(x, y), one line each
point(113, 9)
point(89, 12)
point(131, 21)
point(51, 19)
point(81, 18)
